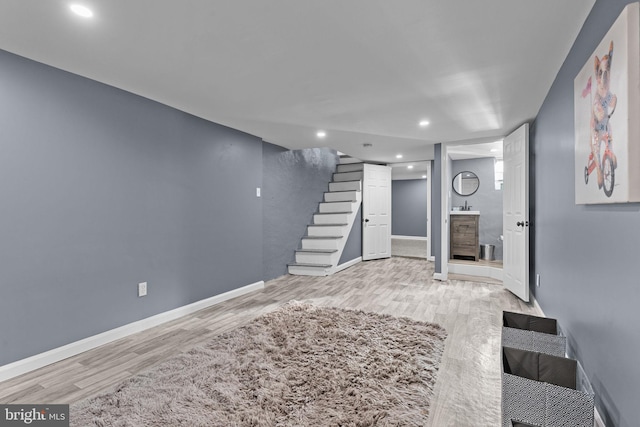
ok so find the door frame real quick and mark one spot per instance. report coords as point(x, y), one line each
point(430, 256)
point(445, 205)
point(445, 197)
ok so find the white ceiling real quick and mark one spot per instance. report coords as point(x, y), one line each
point(401, 171)
point(365, 71)
point(475, 151)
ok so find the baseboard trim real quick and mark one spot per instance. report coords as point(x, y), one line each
point(32, 363)
point(439, 276)
point(431, 258)
point(536, 305)
point(598, 421)
point(347, 264)
point(476, 270)
point(409, 238)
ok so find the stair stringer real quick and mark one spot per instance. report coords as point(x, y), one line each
point(343, 242)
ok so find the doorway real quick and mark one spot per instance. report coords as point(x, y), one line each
point(515, 214)
point(472, 209)
point(411, 207)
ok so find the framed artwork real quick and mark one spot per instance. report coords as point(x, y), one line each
point(607, 116)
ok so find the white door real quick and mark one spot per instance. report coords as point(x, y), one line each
point(376, 212)
point(515, 217)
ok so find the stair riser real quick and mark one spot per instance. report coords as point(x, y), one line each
point(345, 160)
point(331, 219)
point(336, 207)
point(326, 231)
point(350, 167)
point(341, 196)
point(316, 258)
point(329, 244)
point(345, 186)
point(347, 176)
point(308, 271)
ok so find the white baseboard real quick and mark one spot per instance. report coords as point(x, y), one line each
point(431, 258)
point(536, 305)
point(57, 354)
point(476, 270)
point(409, 238)
point(598, 421)
point(348, 264)
point(439, 276)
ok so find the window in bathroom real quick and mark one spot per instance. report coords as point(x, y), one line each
point(498, 173)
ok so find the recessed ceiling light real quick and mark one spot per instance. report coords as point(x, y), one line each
point(424, 123)
point(81, 10)
point(410, 167)
point(493, 150)
point(424, 176)
point(398, 156)
point(321, 134)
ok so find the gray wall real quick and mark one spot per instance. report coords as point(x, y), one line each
point(436, 208)
point(409, 207)
point(293, 185)
point(487, 200)
point(102, 189)
point(587, 256)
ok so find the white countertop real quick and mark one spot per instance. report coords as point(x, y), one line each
point(465, 212)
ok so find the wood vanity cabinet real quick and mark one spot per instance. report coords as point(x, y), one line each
point(463, 237)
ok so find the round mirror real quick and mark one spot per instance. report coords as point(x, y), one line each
point(466, 183)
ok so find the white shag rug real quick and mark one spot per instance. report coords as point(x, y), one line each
point(300, 365)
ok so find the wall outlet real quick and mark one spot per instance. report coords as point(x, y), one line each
point(537, 280)
point(257, 191)
point(142, 289)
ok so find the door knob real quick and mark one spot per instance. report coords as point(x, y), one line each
point(366, 220)
point(522, 223)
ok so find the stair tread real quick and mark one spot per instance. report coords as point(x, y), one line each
point(339, 201)
point(326, 225)
point(318, 251)
point(298, 264)
point(322, 237)
point(344, 182)
point(333, 213)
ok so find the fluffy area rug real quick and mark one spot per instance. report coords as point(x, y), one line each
point(300, 365)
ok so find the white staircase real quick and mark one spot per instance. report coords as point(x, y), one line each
point(326, 238)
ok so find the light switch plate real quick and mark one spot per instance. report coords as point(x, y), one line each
point(142, 289)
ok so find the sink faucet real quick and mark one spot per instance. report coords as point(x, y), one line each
point(465, 206)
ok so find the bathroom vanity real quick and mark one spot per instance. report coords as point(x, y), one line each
point(463, 238)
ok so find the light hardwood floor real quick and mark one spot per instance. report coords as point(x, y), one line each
point(467, 392)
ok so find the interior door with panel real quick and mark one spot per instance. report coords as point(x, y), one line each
point(515, 220)
point(376, 212)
